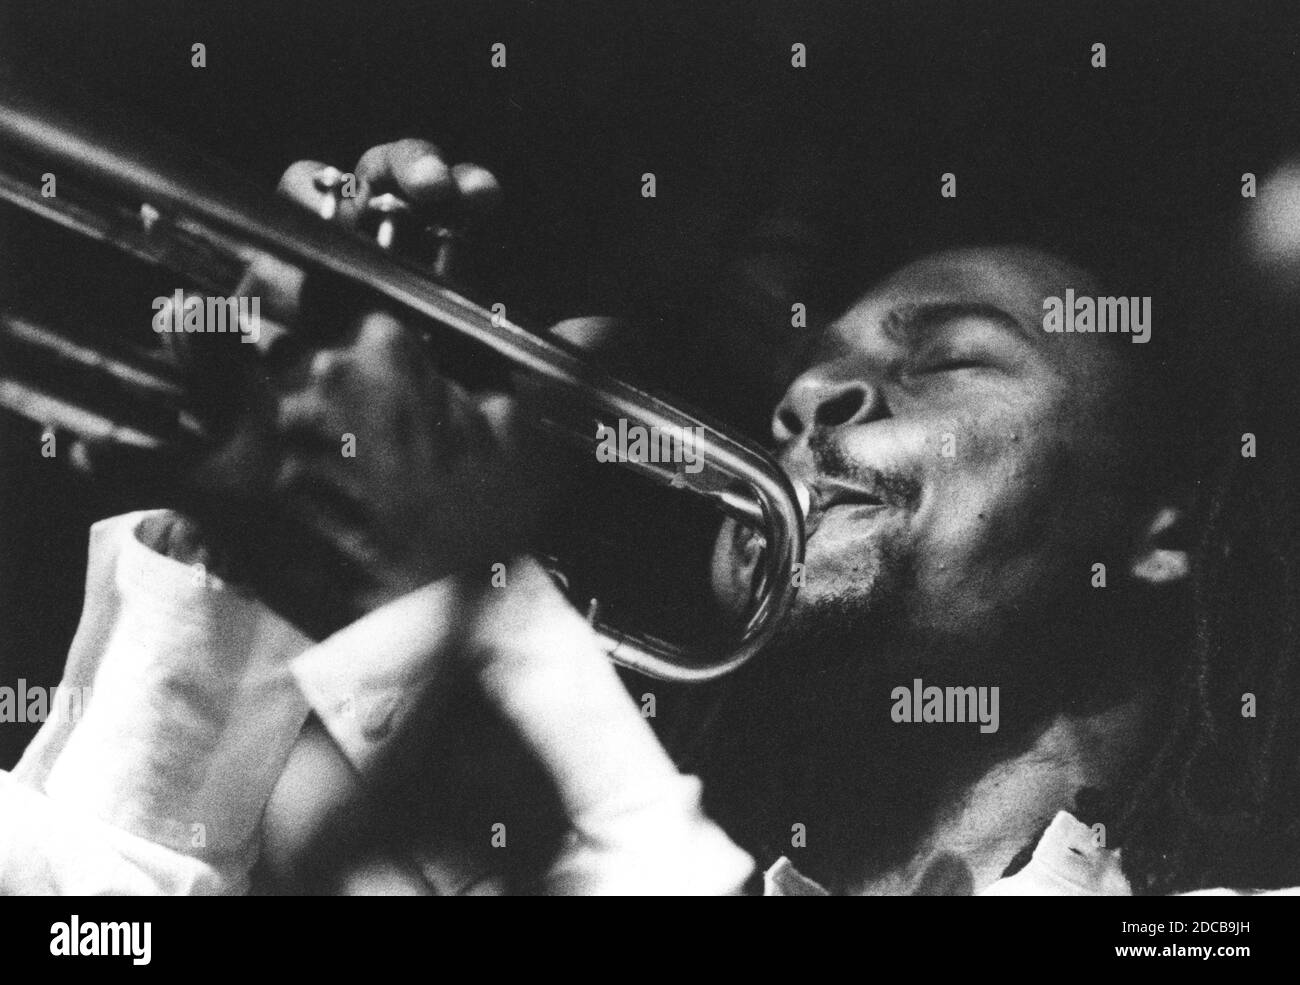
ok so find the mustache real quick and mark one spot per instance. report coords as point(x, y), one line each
point(892, 486)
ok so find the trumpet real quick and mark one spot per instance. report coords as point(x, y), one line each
point(135, 193)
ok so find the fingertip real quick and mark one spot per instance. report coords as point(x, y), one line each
point(278, 286)
point(426, 179)
point(412, 167)
point(298, 182)
point(477, 186)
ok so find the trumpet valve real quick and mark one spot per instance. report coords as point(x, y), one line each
point(385, 217)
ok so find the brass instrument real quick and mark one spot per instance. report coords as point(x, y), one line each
point(134, 193)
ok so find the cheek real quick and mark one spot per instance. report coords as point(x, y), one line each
point(995, 524)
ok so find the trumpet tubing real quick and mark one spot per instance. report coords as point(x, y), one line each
point(132, 192)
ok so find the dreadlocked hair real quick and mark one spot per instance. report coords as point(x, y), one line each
point(1219, 804)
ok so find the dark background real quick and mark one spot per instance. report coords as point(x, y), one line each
point(774, 183)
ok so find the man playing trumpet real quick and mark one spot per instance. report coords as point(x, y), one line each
point(969, 473)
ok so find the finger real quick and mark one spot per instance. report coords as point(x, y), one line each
point(386, 350)
point(479, 190)
point(614, 343)
point(298, 184)
point(413, 169)
point(176, 537)
point(596, 335)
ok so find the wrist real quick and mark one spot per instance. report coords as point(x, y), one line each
point(655, 842)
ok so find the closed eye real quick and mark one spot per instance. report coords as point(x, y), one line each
point(950, 365)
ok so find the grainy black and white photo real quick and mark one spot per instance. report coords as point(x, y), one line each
point(641, 448)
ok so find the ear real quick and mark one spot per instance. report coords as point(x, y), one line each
point(1162, 555)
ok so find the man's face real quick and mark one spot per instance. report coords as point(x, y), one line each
point(964, 462)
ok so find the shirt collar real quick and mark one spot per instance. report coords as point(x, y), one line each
point(1070, 859)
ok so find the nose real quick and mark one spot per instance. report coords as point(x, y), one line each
point(821, 397)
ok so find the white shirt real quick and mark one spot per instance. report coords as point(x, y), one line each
point(198, 695)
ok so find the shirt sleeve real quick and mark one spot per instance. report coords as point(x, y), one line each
point(153, 780)
point(48, 849)
point(637, 825)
